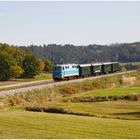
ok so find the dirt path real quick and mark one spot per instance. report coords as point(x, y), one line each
point(25, 84)
point(47, 85)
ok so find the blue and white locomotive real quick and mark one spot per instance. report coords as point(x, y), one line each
point(65, 71)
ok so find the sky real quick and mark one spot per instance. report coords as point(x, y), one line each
point(63, 22)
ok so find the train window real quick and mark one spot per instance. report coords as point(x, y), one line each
point(73, 66)
point(62, 68)
point(57, 68)
point(66, 67)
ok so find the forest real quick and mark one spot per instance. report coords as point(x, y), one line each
point(59, 54)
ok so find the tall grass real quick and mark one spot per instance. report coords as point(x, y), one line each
point(46, 96)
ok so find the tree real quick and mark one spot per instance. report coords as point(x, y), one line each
point(41, 65)
point(48, 65)
point(30, 66)
point(16, 71)
point(6, 61)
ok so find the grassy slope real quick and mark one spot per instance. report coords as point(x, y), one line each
point(21, 124)
point(115, 91)
point(109, 109)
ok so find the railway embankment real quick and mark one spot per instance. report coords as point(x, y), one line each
point(37, 85)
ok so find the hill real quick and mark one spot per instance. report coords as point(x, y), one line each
point(124, 52)
point(101, 108)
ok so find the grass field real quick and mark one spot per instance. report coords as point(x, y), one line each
point(21, 124)
point(109, 109)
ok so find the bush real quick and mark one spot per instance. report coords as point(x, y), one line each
point(69, 90)
point(46, 109)
point(87, 86)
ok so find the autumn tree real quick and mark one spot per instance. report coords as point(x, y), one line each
point(16, 71)
point(48, 65)
point(41, 65)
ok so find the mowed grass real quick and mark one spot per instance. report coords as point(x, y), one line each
point(114, 91)
point(109, 109)
point(22, 124)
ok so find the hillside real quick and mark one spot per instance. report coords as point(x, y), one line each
point(103, 108)
point(124, 52)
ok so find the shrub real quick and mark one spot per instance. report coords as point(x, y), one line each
point(46, 109)
point(87, 86)
point(69, 90)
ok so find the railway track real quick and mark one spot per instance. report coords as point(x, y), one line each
point(51, 83)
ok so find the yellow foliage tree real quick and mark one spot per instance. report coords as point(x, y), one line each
point(16, 71)
point(41, 65)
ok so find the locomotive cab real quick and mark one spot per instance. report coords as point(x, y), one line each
point(58, 72)
point(65, 71)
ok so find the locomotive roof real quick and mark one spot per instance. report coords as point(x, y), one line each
point(84, 65)
point(66, 65)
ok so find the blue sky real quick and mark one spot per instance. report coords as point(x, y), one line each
point(78, 23)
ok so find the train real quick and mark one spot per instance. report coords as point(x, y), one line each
point(75, 71)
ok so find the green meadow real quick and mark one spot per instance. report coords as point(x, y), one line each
point(23, 124)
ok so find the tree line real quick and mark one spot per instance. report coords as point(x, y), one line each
point(16, 62)
point(28, 61)
point(59, 54)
